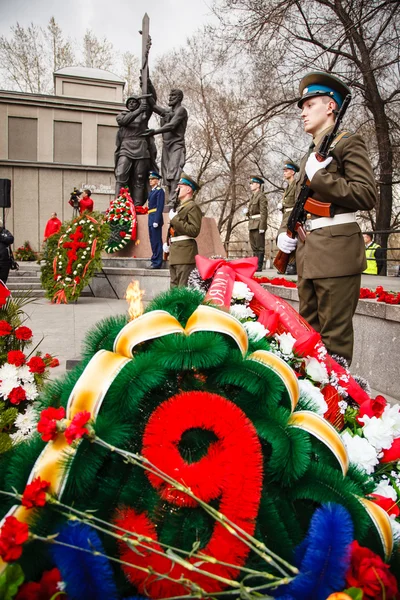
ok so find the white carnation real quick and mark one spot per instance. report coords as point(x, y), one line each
point(240, 311)
point(255, 330)
point(378, 432)
point(30, 390)
point(17, 438)
point(7, 385)
point(391, 416)
point(25, 374)
point(286, 343)
point(360, 452)
point(26, 422)
point(309, 391)
point(316, 370)
point(241, 291)
point(385, 489)
point(8, 371)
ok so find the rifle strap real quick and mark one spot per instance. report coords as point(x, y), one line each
point(337, 139)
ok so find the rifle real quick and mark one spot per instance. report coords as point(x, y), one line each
point(170, 228)
point(304, 200)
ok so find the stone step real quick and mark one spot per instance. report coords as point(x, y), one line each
point(24, 285)
point(129, 263)
point(18, 280)
point(28, 292)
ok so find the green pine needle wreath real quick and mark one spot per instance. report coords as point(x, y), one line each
point(119, 217)
point(72, 256)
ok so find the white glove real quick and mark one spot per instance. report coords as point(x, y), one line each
point(245, 211)
point(261, 231)
point(172, 214)
point(165, 247)
point(279, 206)
point(313, 165)
point(286, 243)
point(155, 224)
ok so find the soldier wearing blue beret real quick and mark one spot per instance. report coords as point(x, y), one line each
point(156, 221)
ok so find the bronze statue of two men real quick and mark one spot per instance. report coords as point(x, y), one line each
point(136, 153)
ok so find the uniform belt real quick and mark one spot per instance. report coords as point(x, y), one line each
point(255, 216)
point(310, 224)
point(151, 210)
point(180, 238)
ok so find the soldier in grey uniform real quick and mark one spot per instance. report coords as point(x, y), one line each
point(332, 258)
point(258, 215)
point(186, 225)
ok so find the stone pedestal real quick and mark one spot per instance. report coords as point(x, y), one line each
point(209, 241)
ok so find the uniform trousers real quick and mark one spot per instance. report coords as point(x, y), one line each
point(257, 241)
point(328, 305)
point(180, 274)
point(155, 235)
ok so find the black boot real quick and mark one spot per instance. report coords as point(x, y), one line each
point(260, 256)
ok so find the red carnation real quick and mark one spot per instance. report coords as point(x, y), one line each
point(5, 328)
point(368, 572)
point(17, 395)
point(35, 493)
point(12, 537)
point(23, 333)
point(47, 425)
point(305, 345)
point(393, 453)
point(386, 503)
point(76, 429)
point(46, 588)
point(54, 363)
point(372, 408)
point(36, 364)
point(77, 280)
point(122, 234)
point(16, 357)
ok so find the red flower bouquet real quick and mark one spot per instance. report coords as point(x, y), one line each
point(13, 536)
point(368, 572)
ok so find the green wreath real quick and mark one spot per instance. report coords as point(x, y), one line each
point(121, 218)
point(298, 471)
point(72, 256)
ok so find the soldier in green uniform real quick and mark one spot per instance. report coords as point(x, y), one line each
point(332, 258)
point(258, 215)
point(186, 224)
point(290, 168)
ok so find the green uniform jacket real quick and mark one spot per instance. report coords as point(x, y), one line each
point(348, 183)
point(258, 205)
point(289, 196)
point(186, 222)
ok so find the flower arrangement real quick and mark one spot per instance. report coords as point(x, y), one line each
point(276, 281)
point(380, 294)
point(73, 255)
point(121, 217)
point(25, 253)
point(22, 375)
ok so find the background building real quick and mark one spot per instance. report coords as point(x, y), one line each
point(51, 144)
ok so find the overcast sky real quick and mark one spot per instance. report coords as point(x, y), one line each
point(171, 21)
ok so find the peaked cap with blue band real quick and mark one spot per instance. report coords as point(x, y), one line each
point(186, 180)
point(291, 165)
point(256, 179)
point(154, 175)
point(322, 84)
